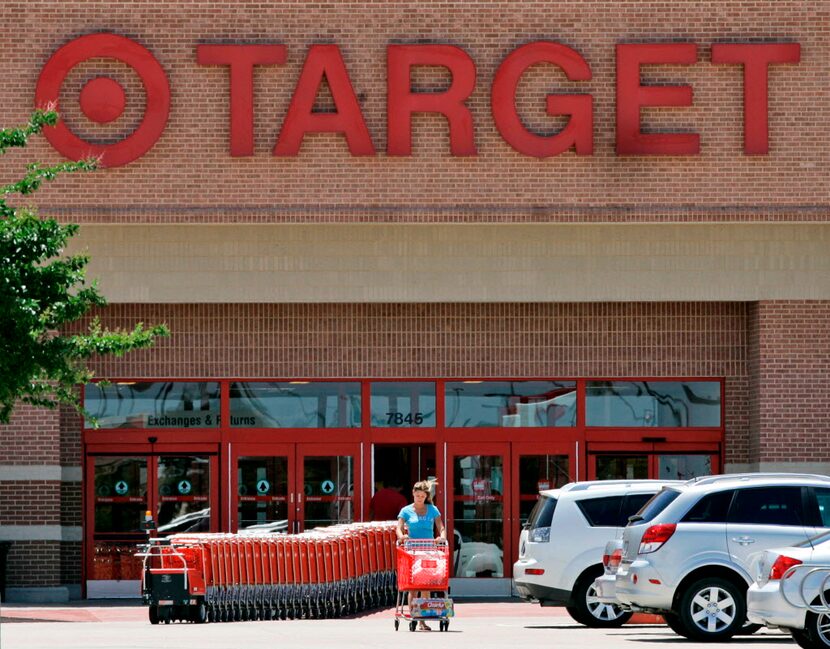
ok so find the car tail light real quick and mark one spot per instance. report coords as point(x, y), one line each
point(534, 571)
point(540, 535)
point(605, 559)
point(655, 536)
point(615, 559)
point(781, 565)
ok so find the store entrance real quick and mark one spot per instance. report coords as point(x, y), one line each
point(294, 487)
point(180, 490)
point(395, 468)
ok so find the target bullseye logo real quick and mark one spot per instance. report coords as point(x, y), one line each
point(103, 100)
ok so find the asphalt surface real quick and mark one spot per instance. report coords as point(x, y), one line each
point(476, 626)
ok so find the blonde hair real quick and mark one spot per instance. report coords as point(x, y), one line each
point(426, 486)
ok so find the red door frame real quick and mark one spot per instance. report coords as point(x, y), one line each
point(231, 502)
point(226, 443)
point(151, 452)
point(652, 450)
point(517, 450)
point(329, 449)
point(456, 449)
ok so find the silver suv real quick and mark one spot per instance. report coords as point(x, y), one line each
point(687, 553)
point(561, 545)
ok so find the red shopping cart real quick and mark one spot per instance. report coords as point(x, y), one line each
point(423, 565)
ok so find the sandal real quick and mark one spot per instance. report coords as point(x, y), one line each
point(422, 626)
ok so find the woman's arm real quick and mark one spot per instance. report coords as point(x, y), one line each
point(442, 531)
point(400, 530)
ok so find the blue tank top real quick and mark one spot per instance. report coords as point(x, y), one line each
point(420, 527)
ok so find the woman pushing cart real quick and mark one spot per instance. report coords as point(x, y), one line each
point(423, 563)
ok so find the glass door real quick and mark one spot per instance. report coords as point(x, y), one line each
point(652, 460)
point(479, 521)
point(180, 489)
point(329, 485)
point(119, 500)
point(260, 486)
point(184, 494)
point(536, 467)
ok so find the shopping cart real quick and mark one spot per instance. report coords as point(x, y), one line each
point(423, 565)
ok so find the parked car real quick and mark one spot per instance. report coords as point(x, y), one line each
point(792, 590)
point(561, 545)
point(605, 586)
point(687, 555)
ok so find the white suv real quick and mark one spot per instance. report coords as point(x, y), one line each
point(561, 545)
point(687, 554)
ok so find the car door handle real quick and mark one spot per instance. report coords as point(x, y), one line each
point(743, 540)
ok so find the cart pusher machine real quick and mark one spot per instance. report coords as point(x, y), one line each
point(423, 565)
point(326, 572)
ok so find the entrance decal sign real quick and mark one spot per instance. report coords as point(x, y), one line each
point(121, 487)
point(103, 100)
point(327, 487)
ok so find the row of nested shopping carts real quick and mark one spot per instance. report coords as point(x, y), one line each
point(327, 572)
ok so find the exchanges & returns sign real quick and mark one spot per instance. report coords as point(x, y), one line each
point(103, 100)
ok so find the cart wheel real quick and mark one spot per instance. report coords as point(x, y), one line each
point(198, 613)
point(397, 624)
point(153, 613)
point(413, 625)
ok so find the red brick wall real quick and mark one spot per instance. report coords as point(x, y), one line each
point(189, 175)
point(793, 368)
point(30, 502)
point(32, 437)
point(36, 563)
point(448, 340)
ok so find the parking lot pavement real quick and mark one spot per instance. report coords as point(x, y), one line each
point(476, 626)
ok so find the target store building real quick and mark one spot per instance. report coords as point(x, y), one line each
point(506, 245)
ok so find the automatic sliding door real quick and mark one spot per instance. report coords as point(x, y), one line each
point(479, 474)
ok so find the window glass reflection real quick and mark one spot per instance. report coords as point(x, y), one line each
point(328, 483)
point(262, 490)
point(403, 404)
point(538, 473)
point(184, 490)
point(478, 515)
point(621, 467)
point(295, 404)
point(139, 404)
point(684, 467)
point(120, 494)
point(653, 403)
point(510, 403)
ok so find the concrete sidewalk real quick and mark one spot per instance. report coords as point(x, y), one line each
point(134, 611)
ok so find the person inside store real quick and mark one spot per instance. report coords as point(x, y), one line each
point(387, 502)
point(421, 520)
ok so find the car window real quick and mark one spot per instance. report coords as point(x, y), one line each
point(712, 508)
point(631, 505)
point(601, 512)
point(823, 499)
point(655, 505)
point(768, 506)
point(542, 513)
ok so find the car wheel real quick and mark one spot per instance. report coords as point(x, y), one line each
point(590, 611)
point(575, 613)
point(674, 623)
point(816, 632)
point(712, 609)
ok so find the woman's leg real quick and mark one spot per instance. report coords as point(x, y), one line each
point(422, 625)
